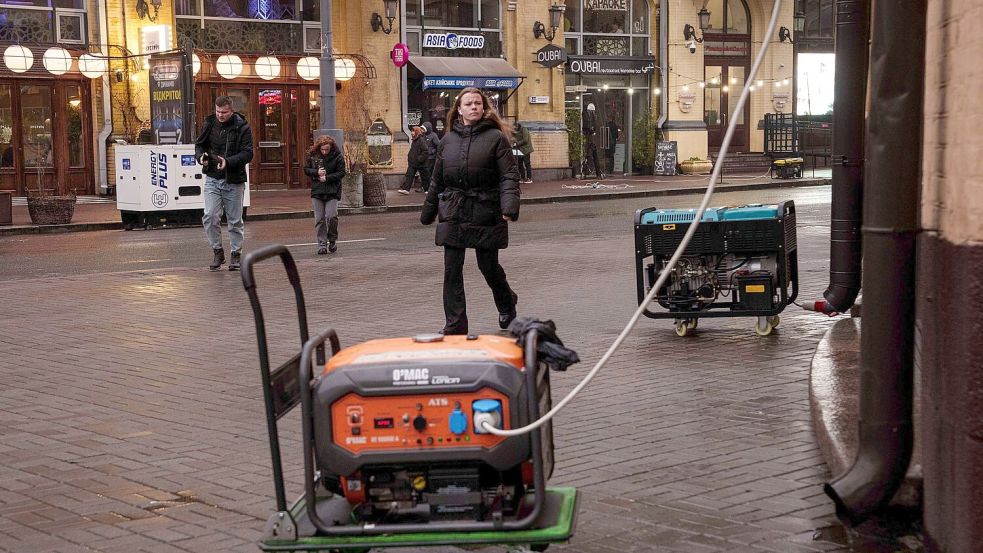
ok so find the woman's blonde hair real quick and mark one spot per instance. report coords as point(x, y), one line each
point(321, 141)
point(417, 131)
point(488, 112)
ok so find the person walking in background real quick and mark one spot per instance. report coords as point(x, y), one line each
point(325, 167)
point(613, 132)
point(523, 142)
point(224, 148)
point(433, 141)
point(474, 194)
point(416, 161)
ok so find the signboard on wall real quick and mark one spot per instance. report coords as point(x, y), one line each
point(610, 66)
point(464, 82)
point(551, 55)
point(169, 119)
point(666, 155)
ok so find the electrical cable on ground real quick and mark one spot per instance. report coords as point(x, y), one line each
point(675, 256)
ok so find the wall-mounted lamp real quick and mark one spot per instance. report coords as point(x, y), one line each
point(799, 21)
point(143, 9)
point(539, 30)
point(689, 33)
point(376, 21)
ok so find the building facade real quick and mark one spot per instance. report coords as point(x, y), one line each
point(624, 62)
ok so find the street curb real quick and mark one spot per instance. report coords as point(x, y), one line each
point(607, 195)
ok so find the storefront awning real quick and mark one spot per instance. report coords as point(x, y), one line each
point(464, 72)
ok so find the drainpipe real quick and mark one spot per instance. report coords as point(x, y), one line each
point(663, 61)
point(852, 33)
point(102, 171)
point(890, 225)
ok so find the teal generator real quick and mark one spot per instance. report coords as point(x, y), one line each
point(741, 262)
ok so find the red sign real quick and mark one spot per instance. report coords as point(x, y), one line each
point(400, 55)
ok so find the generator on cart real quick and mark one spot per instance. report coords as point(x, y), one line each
point(395, 453)
point(741, 262)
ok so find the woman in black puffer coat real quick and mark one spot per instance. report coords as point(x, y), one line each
point(325, 166)
point(473, 194)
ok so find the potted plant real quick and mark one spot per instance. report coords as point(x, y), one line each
point(575, 140)
point(44, 207)
point(354, 120)
point(696, 166)
point(645, 133)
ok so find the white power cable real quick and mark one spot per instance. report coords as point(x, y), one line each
point(766, 42)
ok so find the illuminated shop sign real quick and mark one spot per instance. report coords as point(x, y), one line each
point(464, 82)
point(453, 41)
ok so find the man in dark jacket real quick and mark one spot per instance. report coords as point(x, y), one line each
point(474, 194)
point(224, 148)
point(416, 162)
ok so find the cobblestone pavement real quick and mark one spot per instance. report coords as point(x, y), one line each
point(131, 416)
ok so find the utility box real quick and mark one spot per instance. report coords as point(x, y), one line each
point(161, 185)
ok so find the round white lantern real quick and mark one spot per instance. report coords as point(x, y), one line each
point(17, 58)
point(344, 69)
point(195, 64)
point(308, 68)
point(267, 67)
point(229, 66)
point(57, 60)
point(92, 66)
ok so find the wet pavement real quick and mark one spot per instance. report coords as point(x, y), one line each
point(131, 417)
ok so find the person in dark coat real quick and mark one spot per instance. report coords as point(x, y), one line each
point(224, 149)
point(416, 162)
point(325, 167)
point(433, 141)
point(473, 194)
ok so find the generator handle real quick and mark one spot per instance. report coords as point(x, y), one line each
point(531, 360)
point(249, 283)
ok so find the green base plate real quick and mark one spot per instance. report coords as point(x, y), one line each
point(558, 522)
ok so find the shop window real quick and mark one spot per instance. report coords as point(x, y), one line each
point(36, 124)
point(6, 127)
point(639, 17)
point(450, 13)
point(600, 17)
point(413, 12)
point(571, 17)
point(490, 15)
point(728, 17)
point(571, 44)
point(73, 108)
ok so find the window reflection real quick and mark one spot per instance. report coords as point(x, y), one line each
point(6, 128)
point(74, 125)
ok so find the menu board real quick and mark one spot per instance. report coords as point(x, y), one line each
point(665, 157)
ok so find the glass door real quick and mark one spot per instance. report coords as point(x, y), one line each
point(271, 137)
point(724, 82)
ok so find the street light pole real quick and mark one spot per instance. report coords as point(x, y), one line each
point(328, 122)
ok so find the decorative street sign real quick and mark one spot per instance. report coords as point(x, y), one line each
point(551, 55)
point(400, 55)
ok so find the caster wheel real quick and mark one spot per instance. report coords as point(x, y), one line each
point(682, 328)
point(692, 323)
point(539, 546)
point(774, 320)
point(764, 326)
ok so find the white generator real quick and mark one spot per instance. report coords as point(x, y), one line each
point(161, 185)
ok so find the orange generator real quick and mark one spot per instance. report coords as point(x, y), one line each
point(395, 453)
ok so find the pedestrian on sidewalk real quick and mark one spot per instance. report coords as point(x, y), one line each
point(416, 161)
point(224, 148)
point(474, 194)
point(523, 142)
point(325, 167)
point(433, 141)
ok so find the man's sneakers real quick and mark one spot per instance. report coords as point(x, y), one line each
point(236, 263)
point(218, 259)
point(403, 192)
point(332, 247)
point(322, 250)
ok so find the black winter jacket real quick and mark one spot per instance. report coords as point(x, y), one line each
point(475, 182)
point(238, 150)
point(334, 167)
point(418, 151)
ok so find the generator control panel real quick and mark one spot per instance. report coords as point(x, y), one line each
point(362, 424)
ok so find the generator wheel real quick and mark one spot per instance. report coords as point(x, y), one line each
point(764, 326)
point(774, 320)
point(539, 546)
point(682, 328)
point(692, 323)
